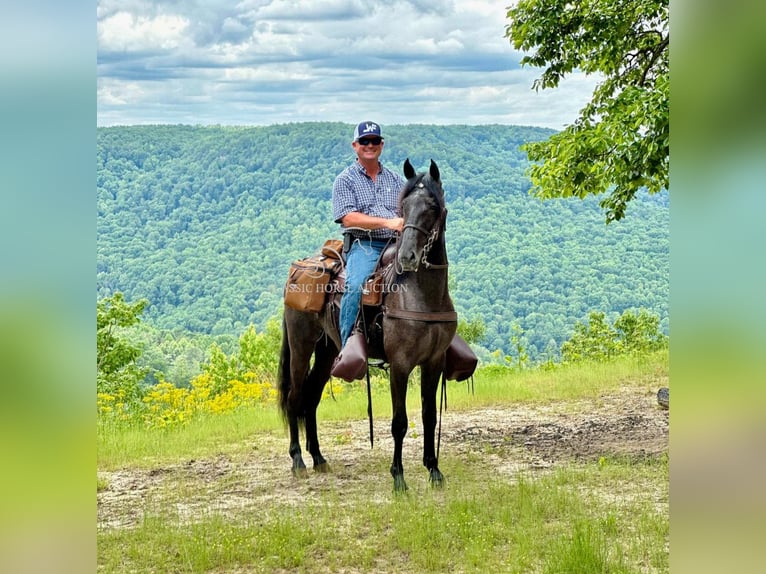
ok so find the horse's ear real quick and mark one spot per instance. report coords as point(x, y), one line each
point(434, 171)
point(409, 171)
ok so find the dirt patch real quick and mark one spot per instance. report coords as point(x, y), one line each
point(510, 438)
point(626, 425)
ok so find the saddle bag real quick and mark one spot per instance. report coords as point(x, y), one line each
point(333, 248)
point(351, 363)
point(372, 290)
point(461, 361)
point(309, 282)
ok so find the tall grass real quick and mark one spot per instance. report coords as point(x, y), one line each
point(130, 444)
point(497, 385)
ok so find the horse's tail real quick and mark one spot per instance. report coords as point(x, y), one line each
point(283, 372)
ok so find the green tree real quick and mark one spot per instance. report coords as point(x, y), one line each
point(517, 341)
point(517, 344)
point(116, 369)
point(639, 332)
point(221, 369)
point(258, 354)
point(596, 340)
point(471, 331)
point(631, 333)
point(620, 142)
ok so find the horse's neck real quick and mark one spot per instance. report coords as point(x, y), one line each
point(431, 285)
point(438, 255)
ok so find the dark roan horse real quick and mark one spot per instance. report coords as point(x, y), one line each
point(418, 323)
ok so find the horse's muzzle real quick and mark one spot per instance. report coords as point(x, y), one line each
point(408, 260)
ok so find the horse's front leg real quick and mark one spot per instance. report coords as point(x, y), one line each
point(398, 383)
point(429, 384)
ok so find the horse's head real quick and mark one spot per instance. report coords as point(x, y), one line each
point(421, 204)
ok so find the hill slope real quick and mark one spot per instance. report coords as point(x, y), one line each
point(204, 222)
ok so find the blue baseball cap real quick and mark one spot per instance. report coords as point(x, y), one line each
point(366, 129)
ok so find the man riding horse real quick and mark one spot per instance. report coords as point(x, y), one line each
point(365, 202)
point(417, 320)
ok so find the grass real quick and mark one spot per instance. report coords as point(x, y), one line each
point(565, 383)
point(130, 444)
point(604, 516)
point(549, 524)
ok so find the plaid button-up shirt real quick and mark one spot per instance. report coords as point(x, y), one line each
point(354, 190)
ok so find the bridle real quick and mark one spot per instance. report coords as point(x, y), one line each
point(431, 239)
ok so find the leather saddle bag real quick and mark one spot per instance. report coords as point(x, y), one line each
point(351, 363)
point(333, 248)
point(372, 290)
point(309, 282)
point(461, 361)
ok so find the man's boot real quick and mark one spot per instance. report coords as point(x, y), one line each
point(351, 364)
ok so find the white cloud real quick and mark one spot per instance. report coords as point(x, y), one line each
point(271, 61)
point(332, 10)
point(120, 93)
point(264, 74)
point(131, 33)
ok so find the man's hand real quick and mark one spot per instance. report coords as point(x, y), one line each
point(395, 224)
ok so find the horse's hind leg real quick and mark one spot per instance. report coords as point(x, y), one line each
point(295, 414)
point(429, 384)
point(294, 362)
point(324, 353)
point(299, 467)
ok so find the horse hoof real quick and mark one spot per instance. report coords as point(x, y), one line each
point(299, 467)
point(322, 467)
point(436, 479)
point(300, 472)
point(399, 485)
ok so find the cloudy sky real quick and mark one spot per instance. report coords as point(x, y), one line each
point(260, 62)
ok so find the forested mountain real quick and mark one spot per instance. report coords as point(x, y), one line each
point(204, 222)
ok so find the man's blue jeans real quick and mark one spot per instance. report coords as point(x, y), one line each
point(360, 263)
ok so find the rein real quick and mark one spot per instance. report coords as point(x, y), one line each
point(442, 403)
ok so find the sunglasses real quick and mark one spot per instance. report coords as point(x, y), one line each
point(369, 141)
